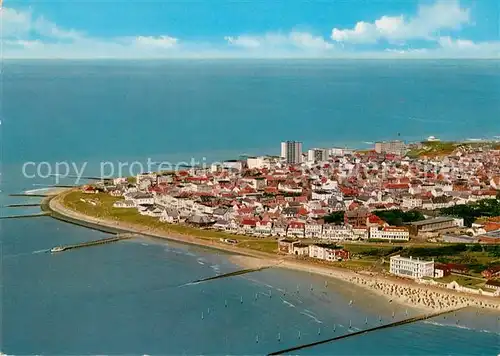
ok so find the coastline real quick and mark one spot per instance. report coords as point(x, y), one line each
point(393, 289)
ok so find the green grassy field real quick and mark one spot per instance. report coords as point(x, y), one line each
point(101, 206)
point(432, 149)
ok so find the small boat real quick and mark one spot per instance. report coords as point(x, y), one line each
point(57, 249)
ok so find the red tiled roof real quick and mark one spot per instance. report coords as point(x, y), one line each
point(249, 222)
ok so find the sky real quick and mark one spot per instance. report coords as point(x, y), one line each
point(150, 29)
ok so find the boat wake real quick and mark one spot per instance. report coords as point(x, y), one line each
point(288, 303)
point(312, 317)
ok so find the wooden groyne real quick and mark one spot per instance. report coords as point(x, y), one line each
point(231, 274)
point(37, 215)
point(116, 238)
point(29, 195)
point(20, 205)
point(380, 327)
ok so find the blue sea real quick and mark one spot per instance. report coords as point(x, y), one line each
point(133, 297)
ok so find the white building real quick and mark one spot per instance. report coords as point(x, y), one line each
point(411, 267)
point(233, 164)
point(411, 202)
point(336, 151)
point(291, 152)
point(317, 155)
point(258, 162)
point(337, 232)
point(389, 233)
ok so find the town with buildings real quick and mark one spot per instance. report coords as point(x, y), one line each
point(313, 201)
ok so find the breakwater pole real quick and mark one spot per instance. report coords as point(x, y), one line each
point(108, 240)
point(20, 205)
point(386, 326)
point(37, 215)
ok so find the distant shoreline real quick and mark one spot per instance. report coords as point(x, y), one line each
point(401, 291)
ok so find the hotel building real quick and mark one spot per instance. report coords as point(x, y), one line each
point(411, 267)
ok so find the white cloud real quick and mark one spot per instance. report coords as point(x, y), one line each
point(27, 36)
point(158, 41)
point(306, 40)
point(298, 40)
point(243, 41)
point(21, 24)
point(430, 19)
point(468, 48)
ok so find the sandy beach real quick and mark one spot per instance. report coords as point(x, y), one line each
point(397, 290)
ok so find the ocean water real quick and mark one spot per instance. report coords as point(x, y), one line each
point(133, 297)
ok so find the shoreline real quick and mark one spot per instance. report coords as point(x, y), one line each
point(405, 292)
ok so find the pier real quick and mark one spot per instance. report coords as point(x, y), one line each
point(380, 327)
point(37, 215)
point(116, 238)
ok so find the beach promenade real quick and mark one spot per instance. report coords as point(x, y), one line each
point(397, 290)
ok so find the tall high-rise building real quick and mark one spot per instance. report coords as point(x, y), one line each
point(291, 151)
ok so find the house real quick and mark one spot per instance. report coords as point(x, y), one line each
point(248, 225)
point(199, 220)
point(279, 228)
point(313, 229)
point(170, 215)
point(286, 245)
point(124, 204)
point(295, 229)
point(264, 227)
point(300, 249)
point(221, 224)
point(493, 284)
point(457, 268)
point(328, 252)
point(142, 198)
point(441, 270)
point(357, 217)
point(151, 210)
point(491, 272)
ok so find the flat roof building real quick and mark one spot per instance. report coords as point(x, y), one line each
point(411, 267)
